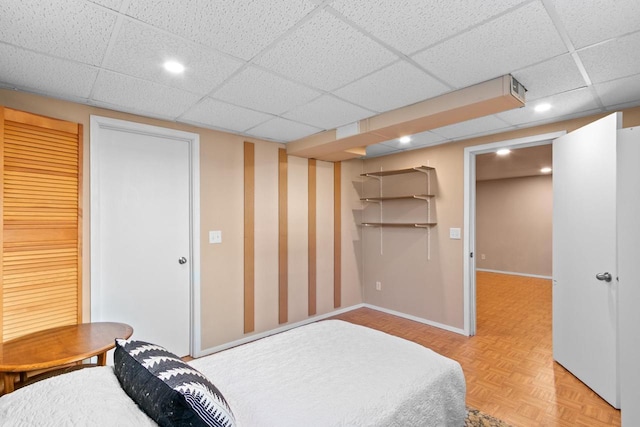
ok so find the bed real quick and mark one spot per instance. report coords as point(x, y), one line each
point(329, 373)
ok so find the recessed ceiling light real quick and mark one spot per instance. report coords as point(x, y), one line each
point(174, 67)
point(503, 152)
point(545, 169)
point(541, 108)
point(405, 139)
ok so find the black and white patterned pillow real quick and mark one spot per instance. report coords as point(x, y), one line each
point(170, 391)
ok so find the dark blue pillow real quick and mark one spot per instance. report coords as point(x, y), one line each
point(167, 389)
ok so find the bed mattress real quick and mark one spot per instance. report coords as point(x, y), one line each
point(330, 373)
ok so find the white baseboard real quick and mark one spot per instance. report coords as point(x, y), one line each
point(514, 273)
point(211, 350)
point(418, 319)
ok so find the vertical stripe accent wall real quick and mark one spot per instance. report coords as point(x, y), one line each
point(283, 252)
point(337, 234)
point(249, 241)
point(311, 203)
point(322, 290)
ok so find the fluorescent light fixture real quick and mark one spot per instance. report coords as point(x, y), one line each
point(545, 169)
point(174, 67)
point(503, 152)
point(541, 108)
point(405, 139)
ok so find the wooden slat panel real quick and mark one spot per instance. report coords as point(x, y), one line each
point(36, 121)
point(3, 113)
point(337, 234)
point(249, 242)
point(41, 223)
point(283, 236)
point(311, 241)
point(80, 145)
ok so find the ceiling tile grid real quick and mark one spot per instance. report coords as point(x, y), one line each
point(557, 75)
point(238, 27)
point(398, 85)
point(563, 104)
point(220, 115)
point(286, 69)
point(592, 21)
point(279, 129)
point(412, 25)
point(28, 70)
point(620, 92)
point(140, 51)
point(614, 59)
point(382, 149)
point(261, 90)
point(326, 53)
point(523, 37)
point(328, 112)
point(142, 96)
point(474, 127)
point(71, 29)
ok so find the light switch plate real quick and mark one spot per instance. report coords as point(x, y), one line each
point(215, 236)
point(454, 233)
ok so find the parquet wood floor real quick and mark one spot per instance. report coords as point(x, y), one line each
point(508, 365)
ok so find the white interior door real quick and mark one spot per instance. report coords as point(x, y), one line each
point(584, 245)
point(141, 256)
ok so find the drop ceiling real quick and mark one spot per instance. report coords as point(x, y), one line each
point(283, 70)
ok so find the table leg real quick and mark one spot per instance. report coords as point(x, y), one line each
point(8, 379)
point(102, 359)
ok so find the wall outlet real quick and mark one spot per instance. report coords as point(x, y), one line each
point(482, 256)
point(378, 286)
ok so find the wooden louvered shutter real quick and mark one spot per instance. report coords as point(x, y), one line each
point(41, 223)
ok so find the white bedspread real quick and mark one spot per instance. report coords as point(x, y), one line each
point(88, 397)
point(334, 373)
point(330, 373)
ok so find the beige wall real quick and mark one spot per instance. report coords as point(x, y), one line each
point(513, 225)
point(221, 202)
point(412, 284)
point(433, 289)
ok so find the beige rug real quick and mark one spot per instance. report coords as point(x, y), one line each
point(476, 418)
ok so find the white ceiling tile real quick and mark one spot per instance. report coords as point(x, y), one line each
point(238, 27)
point(111, 4)
point(71, 29)
point(142, 96)
point(620, 91)
point(37, 72)
point(326, 53)
point(395, 86)
point(210, 112)
point(556, 75)
point(328, 112)
point(282, 130)
point(421, 139)
point(481, 125)
point(563, 104)
point(411, 25)
point(612, 60)
point(381, 149)
point(141, 51)
point(592, 21)
point(263, 91)
point(513, 41)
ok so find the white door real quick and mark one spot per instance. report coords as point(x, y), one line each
point(584, 245)
point(140, 236)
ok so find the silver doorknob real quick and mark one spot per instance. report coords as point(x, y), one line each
point(182, 260)
point(604, 276)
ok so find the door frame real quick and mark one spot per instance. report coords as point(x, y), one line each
point(469, 242)
point(193, 139)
